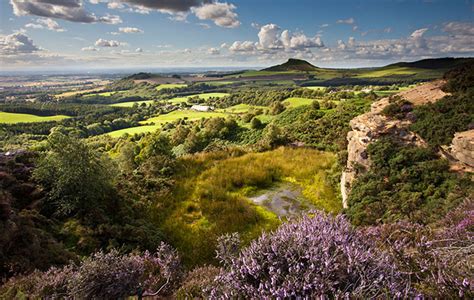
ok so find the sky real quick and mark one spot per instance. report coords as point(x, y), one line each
point(95, 34)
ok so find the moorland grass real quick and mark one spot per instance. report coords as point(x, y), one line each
point(210, 198)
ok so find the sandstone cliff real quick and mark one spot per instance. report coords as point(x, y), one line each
point(372, 125)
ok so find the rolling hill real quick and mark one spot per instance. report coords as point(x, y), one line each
point(293, 65)
point(304, 73)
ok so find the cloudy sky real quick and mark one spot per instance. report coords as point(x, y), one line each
point(61, 34)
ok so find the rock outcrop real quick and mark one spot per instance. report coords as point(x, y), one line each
point(462, 147)
point(372, 125)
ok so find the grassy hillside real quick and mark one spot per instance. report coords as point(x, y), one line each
point(308, 74)
point(11, 118)
point(293, 65)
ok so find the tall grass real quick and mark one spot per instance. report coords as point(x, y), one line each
point(211, 197)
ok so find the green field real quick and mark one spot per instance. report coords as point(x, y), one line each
point(218, 83)
point(155, 123)
point(240, 108)
point(204, 96)
point(12, 118)
point(130, 104)
point(104, 94)
point(316, 88)
point(190, 115)
point(171, 86)
point(133, 130)
point(296, 101)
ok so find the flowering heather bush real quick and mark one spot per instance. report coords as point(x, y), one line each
point(438, 262)
point(228, 247)
point(198, 283)
point(103, 276)
point(317, 256)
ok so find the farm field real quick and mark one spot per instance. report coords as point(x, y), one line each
point(204, 96)
point(155, 123)
point(218, 83)
point(12, 118)
point(316, 88)
point(73, 93)
point(104, 94)
point(133, 130)
point(296, 101)
point(170, 86)
point(190, 115)
point(131, 103)
point(241, 108)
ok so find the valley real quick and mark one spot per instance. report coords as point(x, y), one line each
point(195, 161)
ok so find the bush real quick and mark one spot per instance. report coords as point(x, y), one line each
point(404, 183)
point(315, 257)
point(77, 178)
point(104, 276)
point(438, 262)
point(198, 283)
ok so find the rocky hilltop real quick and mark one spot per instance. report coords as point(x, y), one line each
point(372, 125)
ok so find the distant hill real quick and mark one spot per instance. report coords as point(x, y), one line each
point(434, 63)
point(293, 64)
point(140, 76)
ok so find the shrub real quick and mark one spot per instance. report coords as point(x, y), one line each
point(315, 257)
point(198, 283)
point(404, 183)
point(104, 276)
point(437, 262)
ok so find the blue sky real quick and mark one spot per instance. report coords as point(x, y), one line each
point(167, 33)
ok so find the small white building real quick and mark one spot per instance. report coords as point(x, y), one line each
point(202, 108)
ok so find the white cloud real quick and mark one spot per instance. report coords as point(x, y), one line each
point(213, 51)
point(459, 28)
point(90, 48)
point(246, 46)
point(269, 37)
point(255, 25)
point(349, 21)
point(222, 14)
point(204, 25)
point(17, 43)
point(107, 43)
point(300, 41)
point(130, 30)
point(70, 10)
point(47, 23)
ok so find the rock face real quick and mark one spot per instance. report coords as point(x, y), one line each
point(462, 147)
point(370, 126)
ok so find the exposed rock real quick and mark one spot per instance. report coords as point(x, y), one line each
point(370, 126)
point(462, 147)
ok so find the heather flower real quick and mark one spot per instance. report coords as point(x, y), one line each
point(317, 256)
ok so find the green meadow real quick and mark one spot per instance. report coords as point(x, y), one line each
point(316, 88)
point(204, 96)
point(155, 123)
point(241, 108)
point(296, 101)
point(190, 115)
point(11, 118)
point(131, 103)
point(133, 130)
point(170, 86)
point(213, 190)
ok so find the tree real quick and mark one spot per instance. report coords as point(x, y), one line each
point(276, 108)
point(256, 123)
point(77, 179)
